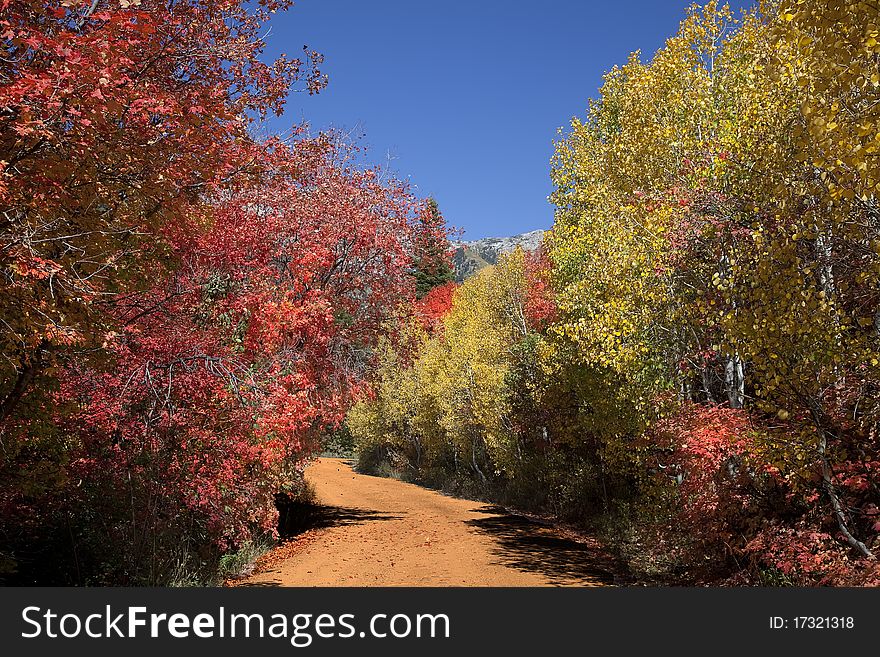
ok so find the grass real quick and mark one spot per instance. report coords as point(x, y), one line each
point(234, 565)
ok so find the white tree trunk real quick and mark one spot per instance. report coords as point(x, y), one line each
point(734, 381)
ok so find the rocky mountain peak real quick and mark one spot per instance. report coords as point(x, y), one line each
point(471, 256)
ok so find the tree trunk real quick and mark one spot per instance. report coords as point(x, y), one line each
point(474, 462)
point(839, 515)
point(734, 381)
point(707, 384)
point(26, 374)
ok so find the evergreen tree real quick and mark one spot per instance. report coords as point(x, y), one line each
point(432, 266)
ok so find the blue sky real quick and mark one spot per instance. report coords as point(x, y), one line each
point(466, 97)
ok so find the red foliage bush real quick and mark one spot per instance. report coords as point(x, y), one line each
point(540, 307)
point(701, 454)
point(223, 375)
point(432, 308)
point(735, 517)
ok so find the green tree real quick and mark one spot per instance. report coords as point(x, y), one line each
point(432, 262)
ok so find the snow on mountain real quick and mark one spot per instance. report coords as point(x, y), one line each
point(471, 256)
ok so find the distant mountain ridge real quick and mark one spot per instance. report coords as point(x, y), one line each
point(470, 257)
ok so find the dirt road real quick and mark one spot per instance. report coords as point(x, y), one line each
point(382, 532)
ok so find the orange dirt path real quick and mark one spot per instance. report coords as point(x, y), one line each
point(383, 532)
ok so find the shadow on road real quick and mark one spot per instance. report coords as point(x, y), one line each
point(296, 517)
point(531, 547)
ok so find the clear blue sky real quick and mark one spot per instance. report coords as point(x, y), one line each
point(466, 96)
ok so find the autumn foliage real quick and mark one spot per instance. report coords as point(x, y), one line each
point(116, 116)
point(692, 367)
point(432, 307)
point(186, 309)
